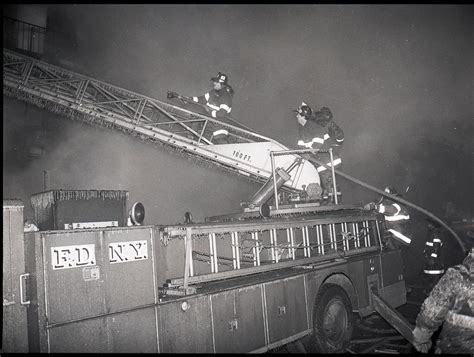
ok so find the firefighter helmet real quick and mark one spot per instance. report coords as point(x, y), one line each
point(391, 191)
point(304, 110)
point(220, 78)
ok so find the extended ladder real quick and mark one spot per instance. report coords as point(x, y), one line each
point(83, 98)
point(216, 251)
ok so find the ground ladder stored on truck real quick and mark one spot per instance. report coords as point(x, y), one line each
point(230, 249)
point(323, 236)
point(86, 99)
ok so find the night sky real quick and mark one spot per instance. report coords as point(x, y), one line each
point(398, 79)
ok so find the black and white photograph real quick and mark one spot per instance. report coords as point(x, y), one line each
point(238, 178)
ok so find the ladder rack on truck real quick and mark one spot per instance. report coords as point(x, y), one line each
point(258, 245)
point(189, 133)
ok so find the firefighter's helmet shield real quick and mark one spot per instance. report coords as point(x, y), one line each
point(220, 78)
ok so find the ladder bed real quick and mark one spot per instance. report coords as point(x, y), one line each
point(248, 247)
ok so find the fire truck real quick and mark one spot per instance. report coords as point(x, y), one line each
point(284, 268)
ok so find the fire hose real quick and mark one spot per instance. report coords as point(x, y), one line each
point(395, 198)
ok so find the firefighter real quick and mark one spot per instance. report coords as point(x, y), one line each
point(395, 218)
point(217, 102)
point(219, 99)
point(317, 130)
point(450, 304)
point(188, 218)
point(433, 259)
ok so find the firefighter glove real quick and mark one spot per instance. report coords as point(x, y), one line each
point(171, 95)
point(422, 339)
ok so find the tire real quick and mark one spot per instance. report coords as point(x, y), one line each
point(332, 320)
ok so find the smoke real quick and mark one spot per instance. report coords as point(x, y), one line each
point(82, 157)
point(396, 78)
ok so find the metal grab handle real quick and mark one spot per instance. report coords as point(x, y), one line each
point(281, 310)
point(22, 302)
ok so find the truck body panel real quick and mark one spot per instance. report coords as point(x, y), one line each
point(109, 300)
point(14, 331)
point(250, 285)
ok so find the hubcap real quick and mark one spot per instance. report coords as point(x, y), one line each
point(335, 321)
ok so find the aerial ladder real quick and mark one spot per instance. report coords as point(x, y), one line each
point(190, 133)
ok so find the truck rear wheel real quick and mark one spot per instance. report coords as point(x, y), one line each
point(332, 320)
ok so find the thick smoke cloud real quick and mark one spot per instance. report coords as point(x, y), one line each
point(397, 77)
point(79, 156)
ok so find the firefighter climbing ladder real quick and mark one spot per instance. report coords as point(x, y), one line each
point(235, 249)
point(83, 98)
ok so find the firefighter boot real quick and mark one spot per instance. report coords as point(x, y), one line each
point(326, 186)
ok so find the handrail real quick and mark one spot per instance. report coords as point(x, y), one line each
point(24, 22)
point(22, 35)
